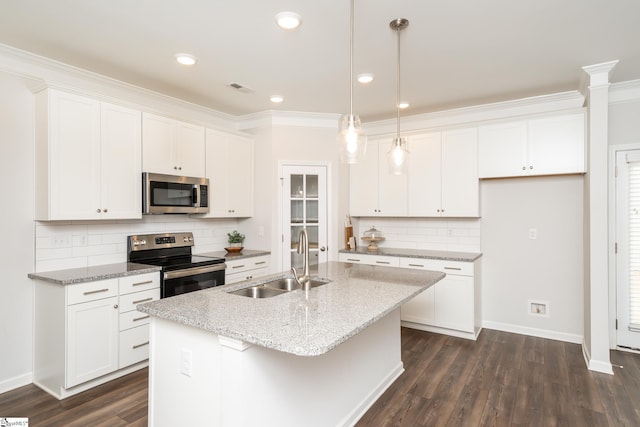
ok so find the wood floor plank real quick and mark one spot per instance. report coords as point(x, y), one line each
point(501, 379)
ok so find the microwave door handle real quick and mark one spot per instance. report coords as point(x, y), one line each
point(194, 195)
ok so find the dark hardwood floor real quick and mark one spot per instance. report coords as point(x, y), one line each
point(500, 380)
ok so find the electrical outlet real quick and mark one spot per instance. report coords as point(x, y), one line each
point(63, 241)
point(533, 233)
point(186, 362)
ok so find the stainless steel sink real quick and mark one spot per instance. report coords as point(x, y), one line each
point(275, 287)
point(258, 292)
point(290, 284)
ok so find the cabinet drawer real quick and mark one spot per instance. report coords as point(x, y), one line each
point(133, 318)
point(386, 261)
point(92, 291)
point(244, 275)
point(134, 346)
point(449, 267)
point(247, 264)
point(140, 282)
point(128, 302)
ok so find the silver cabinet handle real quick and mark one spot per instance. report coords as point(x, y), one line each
point(237, 266)
point(142, 283)
point(96, 291)
point(143, 300)
point(416, 265)
point(140, 345)
point(453, 268)
point(260, 262)
point(383, 262)
point(353, 259)
point(141, 318)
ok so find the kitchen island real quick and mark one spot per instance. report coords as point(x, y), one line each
point(320, 357)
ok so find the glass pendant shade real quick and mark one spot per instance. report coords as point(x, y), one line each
point(352, 141)
point(398, 156)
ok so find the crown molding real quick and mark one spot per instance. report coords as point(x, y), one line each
point(624, 92)
point(480, 113)
point(287, 118)
point(600, 74)
point(41, 73)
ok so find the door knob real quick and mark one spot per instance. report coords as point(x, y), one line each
point(323, 249)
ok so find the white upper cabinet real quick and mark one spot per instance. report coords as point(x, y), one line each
point(87, 158)
point(229, 167)
point(443, 174)
point(539, 146)
point(373, 190)
point(172, 147)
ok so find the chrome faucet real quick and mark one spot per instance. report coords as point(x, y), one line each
point(303, 248)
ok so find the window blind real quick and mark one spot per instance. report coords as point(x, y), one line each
point(634, 243)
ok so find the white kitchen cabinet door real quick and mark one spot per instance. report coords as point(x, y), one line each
point(157, 144)
point(363, 183)
point(454, 303)
point(92, 340)
point(556, 145)
point(121, 148)
point(425, 175)
point(392, 189)
point(229, 167)
point(188, 147)
point(502, 149)
point(172, 147)
point(421, 308)
point(67, 156)
point(460, 183)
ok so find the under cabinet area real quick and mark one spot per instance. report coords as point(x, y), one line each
point(87, 158)
point(229, 167)
point(246, 268)
point(172, 147)
point(88, 333)
point(451, 306)
point(548, 145)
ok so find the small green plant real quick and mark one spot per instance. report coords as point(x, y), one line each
point(235, 237)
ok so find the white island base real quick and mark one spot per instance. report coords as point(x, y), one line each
point(197, 378)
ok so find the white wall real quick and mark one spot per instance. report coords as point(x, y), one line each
point(17, 231)
point(516, 269)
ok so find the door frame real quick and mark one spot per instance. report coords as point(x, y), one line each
point(330, 217)
point(613, 212)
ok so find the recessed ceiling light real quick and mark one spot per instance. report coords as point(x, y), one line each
point(288, 20)
point(403, 105)
point(276, 99)
point(185, 58)
point(365, 78)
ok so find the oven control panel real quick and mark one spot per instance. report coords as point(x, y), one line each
point(159, 241)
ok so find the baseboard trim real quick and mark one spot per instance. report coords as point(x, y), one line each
point(596, 365)
point(15, 382)
point(534, 332)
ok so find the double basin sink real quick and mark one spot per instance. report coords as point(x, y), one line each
point(275, 287)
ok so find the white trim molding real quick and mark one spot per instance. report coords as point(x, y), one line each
point(533, 332)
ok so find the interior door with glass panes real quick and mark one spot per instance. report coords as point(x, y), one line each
point(304, 206)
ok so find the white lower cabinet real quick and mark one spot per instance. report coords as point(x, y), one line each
point(451, 306)
point(246, 268)
point(84, 334)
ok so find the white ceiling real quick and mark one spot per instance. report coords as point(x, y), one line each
point(455, 53)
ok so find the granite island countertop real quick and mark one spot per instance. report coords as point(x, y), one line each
point(303, 325)
point(416, 253)
point(74, 276)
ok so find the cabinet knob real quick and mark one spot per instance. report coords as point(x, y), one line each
point(322, 249)
point(115, 305)
point(98, 210)
point(105, 210)
point(524, 168)
point(530, 167)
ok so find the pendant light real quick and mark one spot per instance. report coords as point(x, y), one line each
point(398, 155)
point(352, 142)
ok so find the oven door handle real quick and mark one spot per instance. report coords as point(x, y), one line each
point(193, 271)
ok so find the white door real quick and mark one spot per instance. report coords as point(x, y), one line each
point(628, 252)
point(304, 196)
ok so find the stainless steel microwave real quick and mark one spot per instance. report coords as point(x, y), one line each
point(170, 194)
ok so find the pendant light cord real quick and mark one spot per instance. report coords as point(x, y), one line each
point(398, 88)
point(351, 25)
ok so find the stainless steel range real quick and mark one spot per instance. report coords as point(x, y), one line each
point(182, 271)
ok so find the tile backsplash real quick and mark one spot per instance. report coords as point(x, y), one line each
point(74, 244)
point(450, 234)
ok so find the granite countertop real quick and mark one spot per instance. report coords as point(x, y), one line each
point(246, 253)
point(416, 253)
point(305, 325)
point(90, 274)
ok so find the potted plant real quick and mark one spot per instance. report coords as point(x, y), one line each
point(235, 240)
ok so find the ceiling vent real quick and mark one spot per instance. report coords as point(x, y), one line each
point(238, 87)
